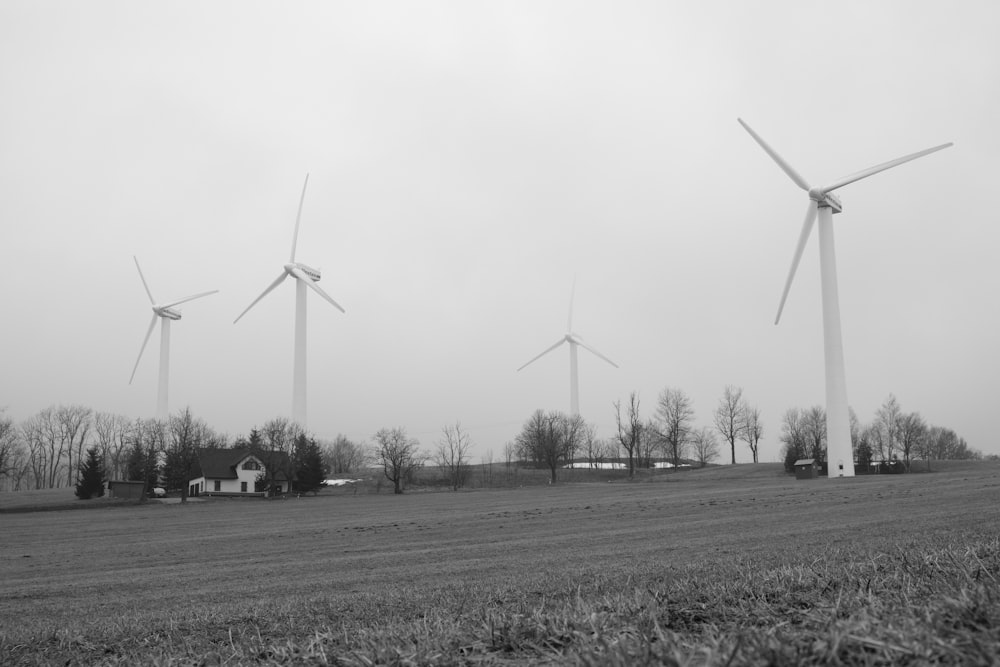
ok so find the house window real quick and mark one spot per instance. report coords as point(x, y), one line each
point(251, 464)
point(243, 487)
point(218, 485)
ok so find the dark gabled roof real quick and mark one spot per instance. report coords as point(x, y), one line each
point(219, 463)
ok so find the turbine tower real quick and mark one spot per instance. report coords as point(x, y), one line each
point(823, 204)
point(574, 340)
point(305, 276)
point(166, 313)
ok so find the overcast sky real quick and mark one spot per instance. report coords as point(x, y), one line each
point(467, 160)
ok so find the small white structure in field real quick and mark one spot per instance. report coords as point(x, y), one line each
point(607, 465)
point(341, 482)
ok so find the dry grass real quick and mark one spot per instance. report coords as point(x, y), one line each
point(705, 567)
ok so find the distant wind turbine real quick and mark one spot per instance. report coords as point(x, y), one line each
point(165, 312)
point(305, 276)
point(574, 340)
point(823, 203)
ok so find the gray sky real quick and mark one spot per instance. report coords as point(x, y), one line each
point(467, 160)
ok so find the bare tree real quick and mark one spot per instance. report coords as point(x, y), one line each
point(855, 427)
point(887, 422)
point(46, 448)
point(630, 431)
point(727, 417)
point(112, 432)
point(550, 439)
point(814, 428)
point(509, 453)
point(704, 446)
point(74, 426)
point(606, 451)
point(276, 450)
point(186, 436)
point(793, 438)
point(11, 452)
point(649, 442)
point(942, 444)
point(344, 456)
point(864, 452)
point(751, 428)
point(146, 445)
point(398, 455)
point(452, 454)
point(510, 458)
point(673, 418)
point(592, 446)
point(912, 431)
point(487, 468)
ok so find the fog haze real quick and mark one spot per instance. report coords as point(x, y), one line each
point(467, 162)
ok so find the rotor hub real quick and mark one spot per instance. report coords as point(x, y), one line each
point(826, 199)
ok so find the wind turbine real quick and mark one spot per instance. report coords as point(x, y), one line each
point(823, 204)
point(305, 276)
point(165, 312)
point(574, 341)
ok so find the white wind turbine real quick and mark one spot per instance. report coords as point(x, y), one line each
point(165, 312)
point(574, 340)
point(305, 276)
point(823, 204)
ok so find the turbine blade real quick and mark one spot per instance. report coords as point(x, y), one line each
point(857, 176)
point(547, 350)
point(270, 287)
point(807, 226)
point(144, 284)
point(785, 167)
point(189, 298)
point(149, 332)
point(594, 352)
point(298, 218)
point(301, 275)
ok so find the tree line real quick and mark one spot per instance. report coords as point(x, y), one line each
point(51, 450)
point(670, 434)
point(47, 449)
point(890, 443)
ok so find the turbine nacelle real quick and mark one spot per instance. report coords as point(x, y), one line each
point(827, 199)
point(314, 274)
point(167, 312)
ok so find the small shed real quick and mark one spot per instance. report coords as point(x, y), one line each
point(130, 490)
point(806, 469)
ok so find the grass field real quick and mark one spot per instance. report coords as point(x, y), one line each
point(733, 565)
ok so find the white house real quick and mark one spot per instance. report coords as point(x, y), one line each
point(240, 472)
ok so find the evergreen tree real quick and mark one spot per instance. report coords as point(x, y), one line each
point(141, 465)
point(310, 468)
point(90, 481)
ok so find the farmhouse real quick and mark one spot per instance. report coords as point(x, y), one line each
point(241, 472)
